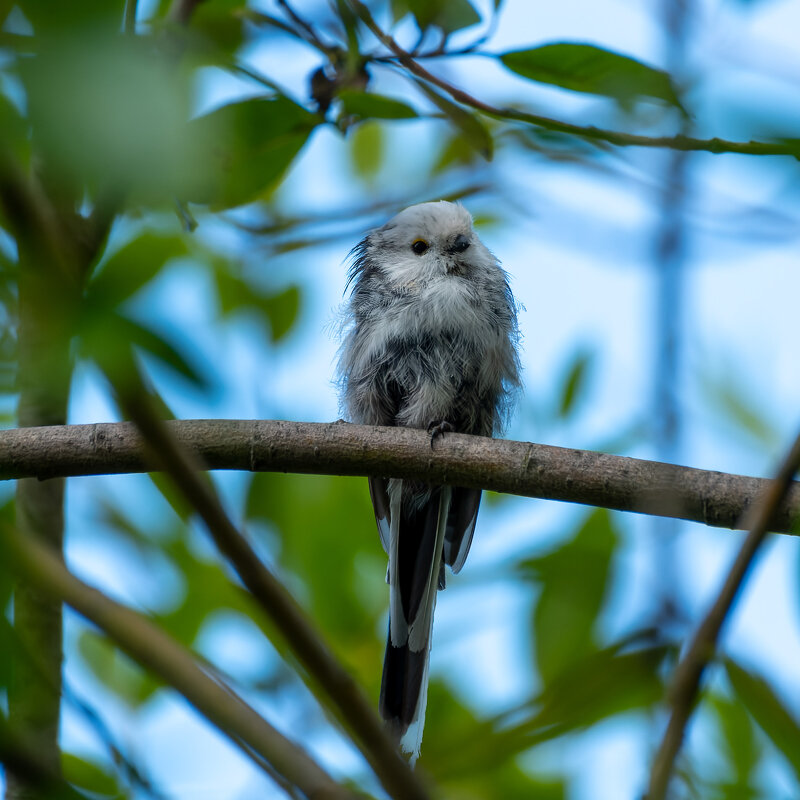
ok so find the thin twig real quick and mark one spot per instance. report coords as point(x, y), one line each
point(157, 651)
point(590, 132)
point(467, 50)
point(759, 519)
point(522, 468)
point(280, 224)
point(305, 641)
point(305, 26)
point(129, 25)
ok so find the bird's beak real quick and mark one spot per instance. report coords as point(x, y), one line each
point(460, 244)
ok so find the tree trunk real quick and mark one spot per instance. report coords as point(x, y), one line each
point(46, 301)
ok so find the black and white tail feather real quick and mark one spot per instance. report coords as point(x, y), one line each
point(430, 336)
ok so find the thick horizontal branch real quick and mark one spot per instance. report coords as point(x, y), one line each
point(522, 468)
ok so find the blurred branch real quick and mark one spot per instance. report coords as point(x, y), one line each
point(182, 10)
point(157, 651)
point(29, 665)
point(531, 470)
point(26, 765)
point(307, 29)
point(129, 23)
point(50, 269)
point(280, 224)
point(134, 773)
point(63, 245)
point(32, 218)
point(166, 451)
point(590, 132)
point(758, 519)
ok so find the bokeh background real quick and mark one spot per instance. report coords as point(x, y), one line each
point(658, 294)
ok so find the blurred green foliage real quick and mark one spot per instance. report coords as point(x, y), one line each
point(586, 68)
point(105, 123)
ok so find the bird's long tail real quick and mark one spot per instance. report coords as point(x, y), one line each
point(415, 568)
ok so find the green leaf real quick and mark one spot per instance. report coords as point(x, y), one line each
point(208, 590)
point(601, 685)
point(738, 403)
point(573, 581)
point(46, 16)
point(156, 345)
point(125, 127)
point(89, 775)
point(449, 726)
point(107, 339)
point(587, 68)
point(15, 130)
point(575, 382)
point(366, 150)
point(115, 670)
point(472, 129)
point(343, 572)
point(739, 745)
point(449, 15)
point(220, 25)
point(177, 502)
point(760, 699)
point(131, 267)
point(281, 308)
point(8, 637)
point(247, 147)
point(456, 152)
point(368, 105)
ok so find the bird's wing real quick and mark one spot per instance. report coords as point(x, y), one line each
point(379, 494)
point(460, 526)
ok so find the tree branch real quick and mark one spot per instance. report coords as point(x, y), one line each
point(532, 470)
point(157, 651)
point(25, 763)
point(590, 132)
point(165, 451)
point(686, 681)
point(49, 288)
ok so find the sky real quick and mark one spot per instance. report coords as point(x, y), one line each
point(579, 249)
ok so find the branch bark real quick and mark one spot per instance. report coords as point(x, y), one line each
point(532, 470)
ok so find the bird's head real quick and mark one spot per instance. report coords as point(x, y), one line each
point(424, 242)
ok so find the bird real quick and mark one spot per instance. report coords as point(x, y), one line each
point(430, 341)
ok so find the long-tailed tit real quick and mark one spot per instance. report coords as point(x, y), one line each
point(431, 335)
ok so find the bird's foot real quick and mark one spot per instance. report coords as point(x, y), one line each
point(436, 429)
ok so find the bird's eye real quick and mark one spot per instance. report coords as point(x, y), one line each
point(419, 246)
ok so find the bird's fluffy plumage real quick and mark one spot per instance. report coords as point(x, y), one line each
point(430, 336)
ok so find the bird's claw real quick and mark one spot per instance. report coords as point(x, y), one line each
point(436, 429)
